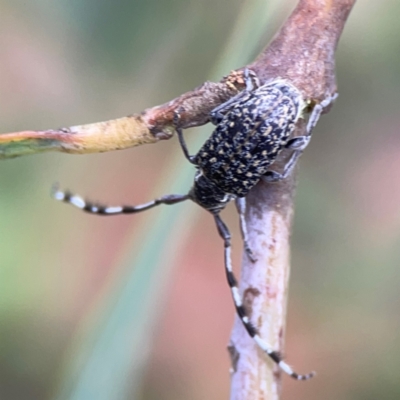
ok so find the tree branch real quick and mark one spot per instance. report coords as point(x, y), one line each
point(302, 52)
point(152, 125)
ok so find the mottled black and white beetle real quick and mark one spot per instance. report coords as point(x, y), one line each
point(251, 130)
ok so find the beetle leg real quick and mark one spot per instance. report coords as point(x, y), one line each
point(241, 208)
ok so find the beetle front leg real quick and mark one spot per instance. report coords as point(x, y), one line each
point(182, 141)
point(317, 111)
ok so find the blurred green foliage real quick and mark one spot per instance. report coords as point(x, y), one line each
point(70, 62)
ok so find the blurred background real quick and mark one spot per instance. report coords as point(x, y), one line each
point(85, 299)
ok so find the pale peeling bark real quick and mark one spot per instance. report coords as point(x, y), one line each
point(264, 287)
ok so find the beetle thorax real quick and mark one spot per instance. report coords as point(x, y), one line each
point(208, 195)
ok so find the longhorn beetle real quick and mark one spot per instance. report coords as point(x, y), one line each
point(252, 128)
